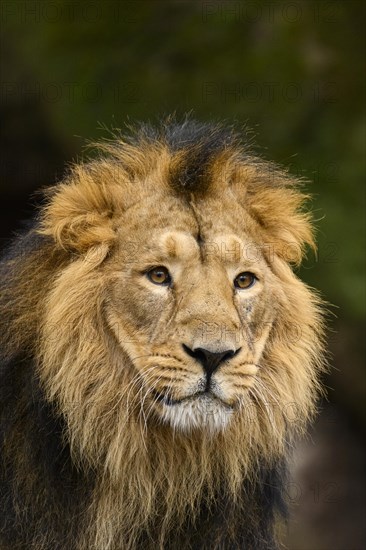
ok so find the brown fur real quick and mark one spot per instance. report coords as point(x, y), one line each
point(106, 335)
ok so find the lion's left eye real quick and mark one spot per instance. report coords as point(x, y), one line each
point(245, 280)
point(159, 275)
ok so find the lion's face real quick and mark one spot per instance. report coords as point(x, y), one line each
point(176, 307)
point(191, 303)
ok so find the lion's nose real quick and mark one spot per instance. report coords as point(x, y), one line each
point(209, 360)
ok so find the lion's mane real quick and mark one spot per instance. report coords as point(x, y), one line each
point(78, 470)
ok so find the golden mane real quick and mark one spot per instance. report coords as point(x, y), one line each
point(150, 478)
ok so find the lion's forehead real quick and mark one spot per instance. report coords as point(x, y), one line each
point(176, 230)
point(227, 247)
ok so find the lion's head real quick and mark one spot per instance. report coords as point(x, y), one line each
point(174, 337)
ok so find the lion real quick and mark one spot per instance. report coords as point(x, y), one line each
point(159, 355)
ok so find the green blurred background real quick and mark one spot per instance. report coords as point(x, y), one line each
point(293, 71)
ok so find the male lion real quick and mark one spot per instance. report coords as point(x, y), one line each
point(158, 354)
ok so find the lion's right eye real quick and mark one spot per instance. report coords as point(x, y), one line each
point(244, 280)
point(159, 275)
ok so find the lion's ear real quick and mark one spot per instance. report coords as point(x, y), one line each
point(80, 212)
point(287, 229)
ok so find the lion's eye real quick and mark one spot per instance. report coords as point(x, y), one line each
point(245, 280)
point(159, 275)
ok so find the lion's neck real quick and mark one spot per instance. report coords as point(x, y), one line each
point(167, 481)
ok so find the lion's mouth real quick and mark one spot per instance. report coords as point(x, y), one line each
point(206, 394)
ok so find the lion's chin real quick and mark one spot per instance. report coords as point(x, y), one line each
point(201, 412)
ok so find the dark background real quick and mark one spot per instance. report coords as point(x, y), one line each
point(293, 71)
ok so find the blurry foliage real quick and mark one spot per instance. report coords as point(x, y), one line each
point(291, 70)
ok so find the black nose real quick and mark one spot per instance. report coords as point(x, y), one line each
point(208, 359)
